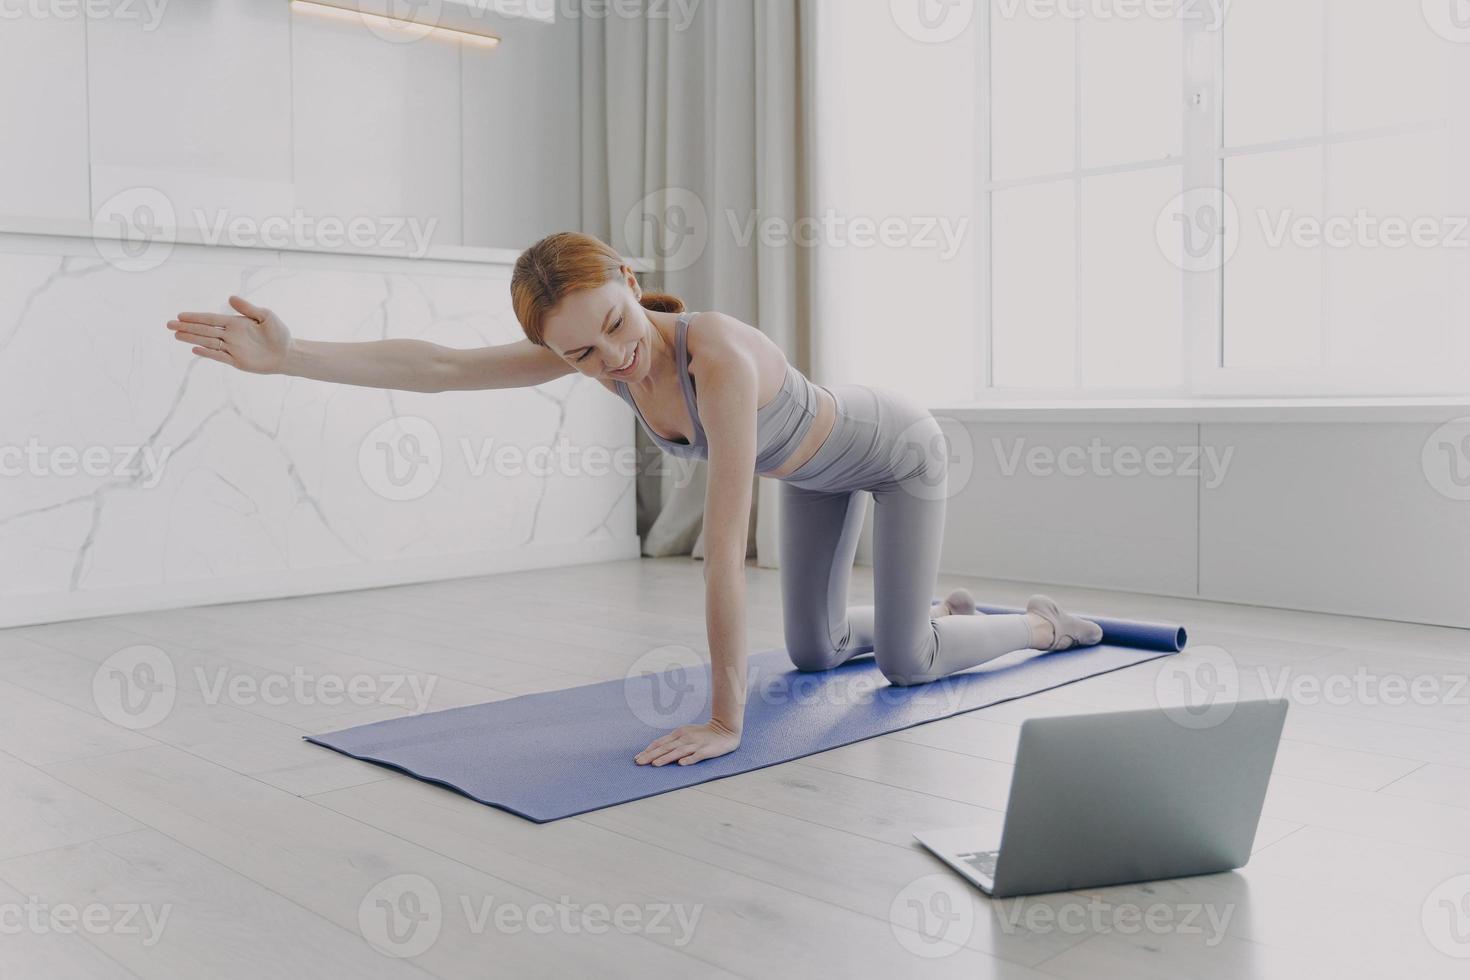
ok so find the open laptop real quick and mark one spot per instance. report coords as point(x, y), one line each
point(1108, 799)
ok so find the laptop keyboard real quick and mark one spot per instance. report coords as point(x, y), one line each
point(982, 861)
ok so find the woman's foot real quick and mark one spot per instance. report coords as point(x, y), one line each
point(1052, 629)
point(957, 603)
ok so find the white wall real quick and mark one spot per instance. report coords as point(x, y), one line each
point(1344, 518)
point(43, 116)
point(275, 486)
point(522, 136)
point(246, 106)
point(895, 141)
point(1358, 517)
point(268, 486)
point(1033, 524)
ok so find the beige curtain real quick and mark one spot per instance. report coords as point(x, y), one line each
point(695, 132)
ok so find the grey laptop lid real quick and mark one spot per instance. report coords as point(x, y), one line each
point(1135, 796)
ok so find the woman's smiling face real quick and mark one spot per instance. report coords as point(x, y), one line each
point(602, 332)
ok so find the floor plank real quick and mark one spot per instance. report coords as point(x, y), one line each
point(172, 912)
point(331, 863)
point(39, 812)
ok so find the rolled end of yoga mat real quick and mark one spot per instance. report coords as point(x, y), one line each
point(1135, 633)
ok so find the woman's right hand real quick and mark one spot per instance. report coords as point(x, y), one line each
point(255, 341)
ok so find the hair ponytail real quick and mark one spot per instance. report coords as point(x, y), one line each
point(564, 263)
point(662, 303)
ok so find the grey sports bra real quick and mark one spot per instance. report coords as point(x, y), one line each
point(780, 424)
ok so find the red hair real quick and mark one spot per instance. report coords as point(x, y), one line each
point(565, 263)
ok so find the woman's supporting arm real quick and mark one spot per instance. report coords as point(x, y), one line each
point(728, 414)
point(258, 342)
point(726, 396)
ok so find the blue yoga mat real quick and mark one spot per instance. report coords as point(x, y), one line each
point(560, 753)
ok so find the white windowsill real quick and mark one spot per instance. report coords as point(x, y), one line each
point(1190, 410)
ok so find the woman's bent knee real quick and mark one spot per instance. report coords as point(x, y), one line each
point(907, 665)
point(813, 657)
point(810, 650)
point(909, 678)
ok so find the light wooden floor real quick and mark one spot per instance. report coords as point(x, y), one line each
point(268, 855)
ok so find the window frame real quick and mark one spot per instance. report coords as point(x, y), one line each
point(1204, 156)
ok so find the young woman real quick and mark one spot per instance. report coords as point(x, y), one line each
point(711, 387)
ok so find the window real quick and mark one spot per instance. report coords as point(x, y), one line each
point(1202, 197)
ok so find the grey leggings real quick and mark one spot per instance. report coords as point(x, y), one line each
point(890, 446)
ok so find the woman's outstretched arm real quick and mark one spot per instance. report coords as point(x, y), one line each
point(257, 341)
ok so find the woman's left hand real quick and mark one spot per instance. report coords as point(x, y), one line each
point(689, 744)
